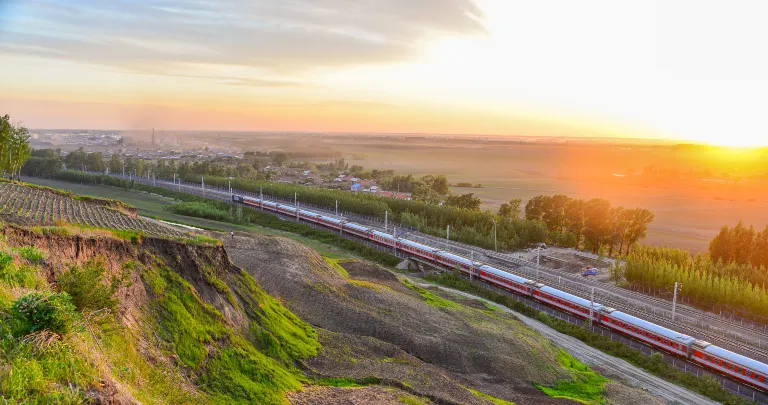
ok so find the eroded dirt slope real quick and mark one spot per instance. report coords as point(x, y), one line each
point(377, 326)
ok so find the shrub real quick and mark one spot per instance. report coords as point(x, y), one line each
point(30, 253)
point(199, 210)
point(33, 312)
point(88, 287)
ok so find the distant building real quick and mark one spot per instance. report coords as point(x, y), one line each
point(355, 187)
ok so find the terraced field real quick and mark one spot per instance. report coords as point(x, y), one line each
point(36, 206)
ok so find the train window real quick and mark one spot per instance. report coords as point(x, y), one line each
point(761, 378)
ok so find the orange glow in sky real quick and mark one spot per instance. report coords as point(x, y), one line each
point(677, 69)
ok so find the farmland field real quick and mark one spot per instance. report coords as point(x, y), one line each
point(26, 205)
point(727, 186)
point(154, 206)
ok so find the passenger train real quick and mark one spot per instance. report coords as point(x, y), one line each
point(734, 365)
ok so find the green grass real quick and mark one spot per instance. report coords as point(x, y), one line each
point(495, 400)
point(410, 400)
point(199, 210)
point(429, 298)
point(585, 385)
point(256, 368)
point(346, 382)
point(182, 317)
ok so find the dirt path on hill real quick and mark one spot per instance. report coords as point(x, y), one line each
point(607, 365)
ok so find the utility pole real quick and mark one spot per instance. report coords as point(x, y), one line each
point(229, 185)
point(296, 203)
point(448, 232)
point(674, 301)
point(202, 185)
point(261, 198)
point(591, 306)
point(154, 180)
point(337, 208)
point(495, 246)
point(386, 222)
point(538, 256)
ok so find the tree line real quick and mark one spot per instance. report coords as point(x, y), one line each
point(469, 226)
point(14, 147)
point(740, 245)
point(594, 223)
point(708, 283)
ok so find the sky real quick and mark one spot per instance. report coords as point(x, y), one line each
point(674, 69)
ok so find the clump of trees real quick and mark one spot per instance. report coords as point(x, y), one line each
point(14, 147)
point(43, 163)
point(595, 223)
point(706, 282)
point(740, 245)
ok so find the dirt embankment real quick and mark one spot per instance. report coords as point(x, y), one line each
point(375, 326)
point(187, 260)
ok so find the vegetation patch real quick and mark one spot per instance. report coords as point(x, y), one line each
point(336, 265)
point(347, 382)
point(200, 210)
point(183, 319)
point(429, 298)
point(209, 273)
point(586, 386)
point(14, 276)
point(493, 399)
point(88, 287)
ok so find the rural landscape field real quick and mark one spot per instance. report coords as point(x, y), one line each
point(404, 202)
point(692, 190)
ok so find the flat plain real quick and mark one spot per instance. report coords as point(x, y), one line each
point(693, 190)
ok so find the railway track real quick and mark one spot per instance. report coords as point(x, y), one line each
point(623, 305)
point(637, 304)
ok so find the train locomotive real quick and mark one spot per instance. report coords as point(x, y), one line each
point(722, 361)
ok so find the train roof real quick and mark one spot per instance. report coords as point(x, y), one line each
point(651, 327)
point(416, 245)
point(383, 235)
point(569, 297)
point(755, 365)
point(356, 226)
point(457, 258)
point(504, 274)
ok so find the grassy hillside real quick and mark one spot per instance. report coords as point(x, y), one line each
point(177, 324)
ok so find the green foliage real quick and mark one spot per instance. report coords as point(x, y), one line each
point(130, 236)
point(31, 253)
point(495, 400)
point(464, 201)
point(242, 375)
point(14, 146)
point(54, 374)
point(200, 210)
point(36, 311)
point(741, 245)
point(274, 328)
point(429, 298)
point(346, 382)
point(585, 385)
point(88, 286)
point(15, 276)
point(730, 285)
point(707, 386)
point(183, 319)
point(600, 224)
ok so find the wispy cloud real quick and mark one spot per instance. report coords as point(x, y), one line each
point(276, 36)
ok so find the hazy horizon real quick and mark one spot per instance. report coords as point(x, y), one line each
point(683, 70)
